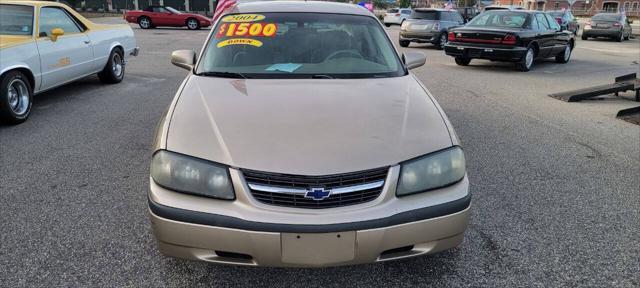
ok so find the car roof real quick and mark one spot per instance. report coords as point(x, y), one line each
point(299, 6)
point(31, 3)
point(432, 9)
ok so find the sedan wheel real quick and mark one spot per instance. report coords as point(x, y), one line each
point(193, 24)
point(621, 37)
point(15, 98)
point(113, 72)
point(145, 23)
point(527, 61)
point(565, 55)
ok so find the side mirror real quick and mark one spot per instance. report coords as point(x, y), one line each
point(55, 33)
point(414, 59)
point(184, 59)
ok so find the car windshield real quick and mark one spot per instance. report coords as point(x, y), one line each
point(299, 45)
point(424, 15)
point(16, 20)
point(392, 11)
point(606, 17)
point(500, 19)
point(174, 11)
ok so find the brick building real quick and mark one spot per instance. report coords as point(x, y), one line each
point(580, 7)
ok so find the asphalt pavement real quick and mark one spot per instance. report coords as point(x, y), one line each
point(556, 185)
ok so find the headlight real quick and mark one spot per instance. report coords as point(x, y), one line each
point(404, 25)
point(191, 175)
point(430, 172)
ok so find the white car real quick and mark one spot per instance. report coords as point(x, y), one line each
point(46, 44)
point(396, 16)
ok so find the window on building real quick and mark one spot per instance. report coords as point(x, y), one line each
point(627, 6)
point(556, 6)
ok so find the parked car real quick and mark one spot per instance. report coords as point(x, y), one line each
point(513, 36)
point(503, 7)
point(252, 167)
point(396, 16)
point(426, 25)
point(612, 25)
point(566, 20)
point(154, 16)
point(46, 44)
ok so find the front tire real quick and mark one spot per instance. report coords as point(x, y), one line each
point(621, 37)
point(404, 43)
point(565, 55)
point(462, 61)
point(526, 62)
point(442, 41)
point(113, 72)
point(584, 37)
point(16, 95)
point(193, 24)
point(145, 23)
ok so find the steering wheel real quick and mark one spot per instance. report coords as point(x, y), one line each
point(345, 51)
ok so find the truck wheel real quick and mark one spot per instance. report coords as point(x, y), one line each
point(404, 43)
point(442, 41)
point(145, 22)
point(113, 72)
point(15, 98)
point(526, 62)
point(462, 61)
point(193, 24)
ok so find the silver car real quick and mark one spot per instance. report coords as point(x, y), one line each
point(396, 16)
point(300, 138)
point(611, 25)
point(428, 25)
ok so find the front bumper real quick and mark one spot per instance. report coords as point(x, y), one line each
point(302, 245)
point(490, 53)
point(247, 232)
point(419, 37)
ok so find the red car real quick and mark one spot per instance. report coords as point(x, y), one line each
point(154, 16)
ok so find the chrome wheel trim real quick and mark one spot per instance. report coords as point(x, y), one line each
point(18, 96)
point(528, 61)
point(192, 24)
point(443, 40)
point(117, 65)
point(567, 53)
point(144, 22)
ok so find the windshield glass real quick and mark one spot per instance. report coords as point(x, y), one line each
point(16, 20)
point(174, 11)
point(392, 10)
point(500, 18)
point(425, 15)
point(299, 45)
point(606, 17)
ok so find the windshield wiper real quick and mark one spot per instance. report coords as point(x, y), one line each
point(223, 74)
point(321, 76)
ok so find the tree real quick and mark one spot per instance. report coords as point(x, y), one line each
point(404, 3)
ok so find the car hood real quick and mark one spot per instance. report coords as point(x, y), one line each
point(306, 126)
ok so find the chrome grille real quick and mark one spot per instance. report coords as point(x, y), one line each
point(290, 190)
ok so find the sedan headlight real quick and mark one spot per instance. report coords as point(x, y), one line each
point(191, 175)
point(432, 171)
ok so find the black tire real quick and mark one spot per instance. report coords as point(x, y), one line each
point(584, 37)
point(525, 63)
point(565, 55)
point(442, 40)
point(628, 36)
point(621, 37)
point(387, 24)
point(193, 24)
point(404, 43)
point(462, 61)
point(113, 71)
point(15, 108)
point(145, 22)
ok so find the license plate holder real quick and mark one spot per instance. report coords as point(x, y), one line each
point(318, 248)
